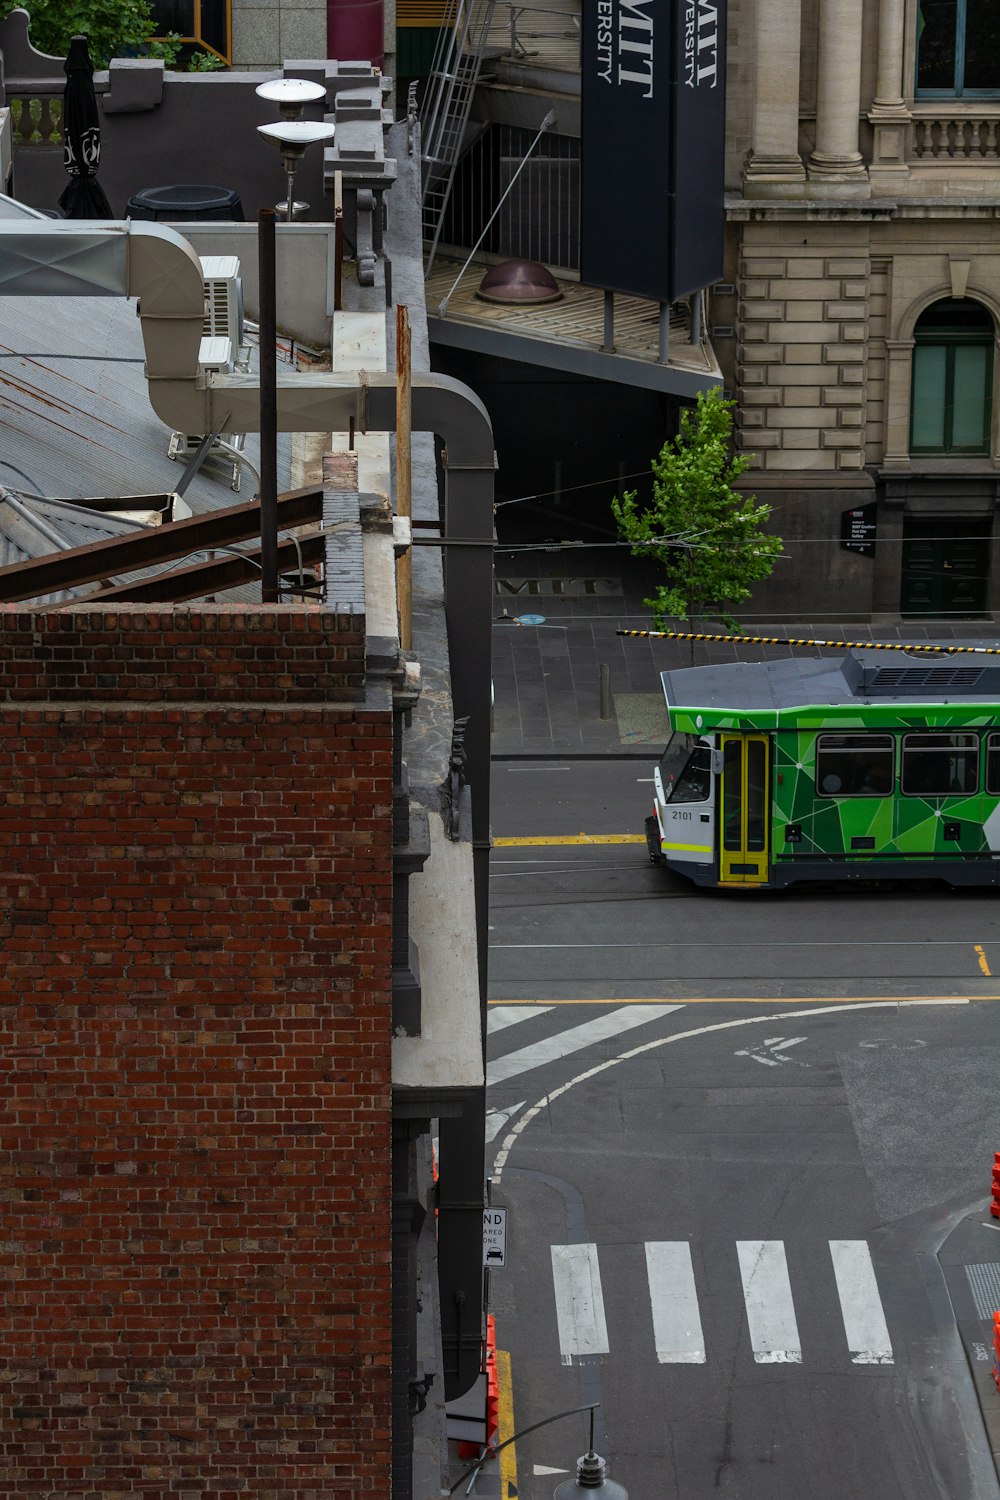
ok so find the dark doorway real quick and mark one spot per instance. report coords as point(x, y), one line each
point(945, 565)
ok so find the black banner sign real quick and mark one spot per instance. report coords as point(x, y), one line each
point(698, 154)
point(653, 143)
point(857, 529)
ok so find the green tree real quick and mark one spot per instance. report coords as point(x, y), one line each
point(114, 28)
point(708, 536)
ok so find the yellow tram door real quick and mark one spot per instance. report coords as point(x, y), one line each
point(744, 825)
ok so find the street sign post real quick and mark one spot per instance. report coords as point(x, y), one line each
point(494, 1237)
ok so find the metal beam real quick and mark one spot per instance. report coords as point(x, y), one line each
point(208, 577)
point(78, 565)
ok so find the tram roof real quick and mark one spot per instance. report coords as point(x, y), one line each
point(757, 694)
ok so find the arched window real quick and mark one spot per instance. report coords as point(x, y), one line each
point(952, 379)
point(958, 48)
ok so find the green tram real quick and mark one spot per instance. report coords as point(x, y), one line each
point(869, 767)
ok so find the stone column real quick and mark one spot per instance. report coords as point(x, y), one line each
point(889, 73)
point(896, 419)
point(889, 116)
point(773, 165)
point(836, 158)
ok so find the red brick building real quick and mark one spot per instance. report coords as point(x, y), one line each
point(195, 1035)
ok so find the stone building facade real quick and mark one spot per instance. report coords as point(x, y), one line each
point(858, 325)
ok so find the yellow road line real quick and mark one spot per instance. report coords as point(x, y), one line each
point(982, 960)
point(752, 1000)
point(571, 838)
point(505, 1427)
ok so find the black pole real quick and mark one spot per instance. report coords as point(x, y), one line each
point(267, 296)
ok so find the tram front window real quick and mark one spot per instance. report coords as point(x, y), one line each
point(686, 769)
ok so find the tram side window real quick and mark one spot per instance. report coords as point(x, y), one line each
point(854, 765)
point(940, 765)
point(993, 764)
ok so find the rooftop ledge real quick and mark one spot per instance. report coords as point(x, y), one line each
point(568, 335)
point(449, 1050)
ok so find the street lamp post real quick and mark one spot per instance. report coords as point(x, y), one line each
point(591, 1474)
point(291, 138)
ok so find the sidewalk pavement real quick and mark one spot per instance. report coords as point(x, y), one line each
point(970, 1262)
point(548, 649)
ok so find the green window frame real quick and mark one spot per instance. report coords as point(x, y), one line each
point(951, 397)
point(958, 49)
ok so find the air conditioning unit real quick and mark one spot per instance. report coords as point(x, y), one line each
point(223, 299)
point(221, 351)
point(215, 357)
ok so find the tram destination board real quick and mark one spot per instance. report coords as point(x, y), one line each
point(857, 529)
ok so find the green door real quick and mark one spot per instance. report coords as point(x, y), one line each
point(945, 565)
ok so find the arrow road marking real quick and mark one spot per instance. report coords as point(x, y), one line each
point(775, 1047)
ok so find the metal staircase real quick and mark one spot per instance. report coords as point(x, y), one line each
point(451, 85)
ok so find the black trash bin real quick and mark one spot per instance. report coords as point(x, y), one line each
point(186, 201)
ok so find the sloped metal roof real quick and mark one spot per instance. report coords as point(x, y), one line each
point(30, 528)
point(76, 423)
point(75, 418)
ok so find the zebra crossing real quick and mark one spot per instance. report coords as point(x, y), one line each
point(678, 1337)
point(605, 1027)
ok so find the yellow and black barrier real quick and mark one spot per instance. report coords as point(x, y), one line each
point(780, 640)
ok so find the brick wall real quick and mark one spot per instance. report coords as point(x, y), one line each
point(195, 874)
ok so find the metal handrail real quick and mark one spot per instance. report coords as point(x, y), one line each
point(569, 30)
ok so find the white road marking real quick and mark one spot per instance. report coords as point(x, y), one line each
point(775, 1047)
point(515, 770)
point(498, 1017)
point(544, 1469)
point(864, 1320)
point(685, 1036)
point(496, 1119)
point(576, 1276)
point(677, 1331)
point(573, 1040)
point(767, 1293)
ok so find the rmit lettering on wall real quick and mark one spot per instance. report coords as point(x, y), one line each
point(653, 135)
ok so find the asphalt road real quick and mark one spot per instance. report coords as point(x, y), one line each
point(729, 1153)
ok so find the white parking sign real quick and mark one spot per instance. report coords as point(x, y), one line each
point(494, 1237)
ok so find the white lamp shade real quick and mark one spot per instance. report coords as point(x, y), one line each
point(296, 132)
point(297, 91)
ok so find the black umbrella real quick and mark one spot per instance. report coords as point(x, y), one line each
point(83, 197)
